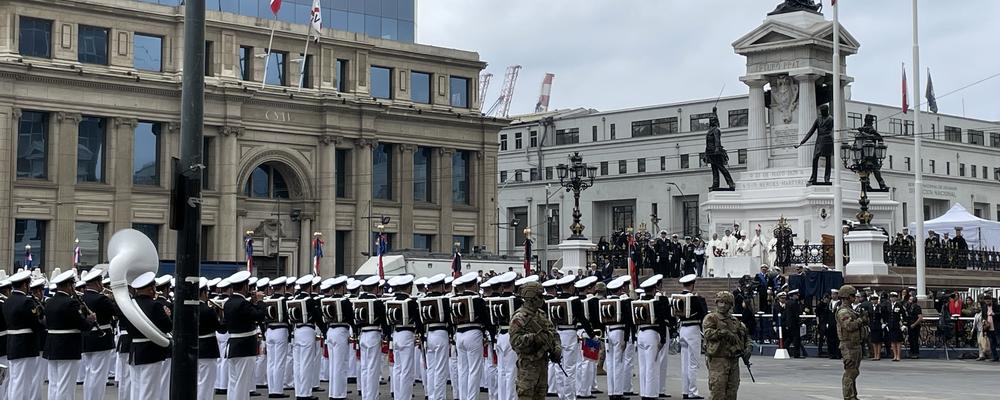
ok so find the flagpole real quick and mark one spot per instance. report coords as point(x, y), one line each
point(267, 57)
point(918, 181)
point(838, 112)
point(305, 57)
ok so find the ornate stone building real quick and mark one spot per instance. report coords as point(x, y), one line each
point(378, 128)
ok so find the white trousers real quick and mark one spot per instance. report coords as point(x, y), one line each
point(3, 385)
point(222, 377)
point(437, 364)
point(260, 366)
point(628, 364)
point(62, 378)
point(649, 363)
point(289, 366)
point(339, 348)
point(147, 382)
point(506, 368)
point(585, 373)
point(97, 363)
point(614, 362)
point(571, 355)
point(370, 368)
point(353, 357)
point(690, 338)
point(418, 363)
point(124, 377)
point(23, 382)
point(490, 373)
point(303, 352)
point(165, 379)
point(207, 370)
point(240, 377)
point(551, 374)
point(81, 371)
point(403, 349)
point(453, 370)
point(664, 364)
point(276, 345)
point(470, 363)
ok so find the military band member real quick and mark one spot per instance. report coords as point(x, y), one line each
point(487, 381)
point(261, 285)
point(586, 370)
point(567, 313)
point(147, 357)
point(502, 306)
point(402, 314)
point(208, 351)
point(369, 315)
point(304, 313)
point(5, 289)
point(691, 317)
point(652, 316)
point(435, 315)
point(338, 315)
point(276, 338)
point(65, 321)
point(23, 315)
point(224, 290)
point(792, 321)
point(353, 291)
point(616, 315)
point(99, 343)
point(549, 291)
point(471, 319)
point(163, 291)
point(242, 316)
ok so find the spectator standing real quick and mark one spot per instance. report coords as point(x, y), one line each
point(991, 321)
point(915, 320)
point(895, 318)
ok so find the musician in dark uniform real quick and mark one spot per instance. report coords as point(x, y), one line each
point(304, 350)
point(98, 344)
point(65, 322)
point(242, 315)
point(435, 316)
point(123, 353)
point(369, 314)
point(895, 316)
point(792, 321)
point(148, 358)
point(471, 319)
point(4, 293)
point(23, 315)
point(690, 336)
point(502, 307)
point(587, 368)
point(338, 316)
point(652, 317)
point(209, 323)
point(401, 313)
point(619, 331)
point(276, 340)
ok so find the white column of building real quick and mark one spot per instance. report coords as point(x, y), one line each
point(807, 115)
point(327, 192)
point(756, 128)
point(229, 233)
point(65, 140)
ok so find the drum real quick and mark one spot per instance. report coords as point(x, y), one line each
point(560, 311)
point(433, 310)
point(611, 311)
point(501, 309)
point(397, 312)
point(298, 311)
point(334, 311)
point(680, 304)
point(274, 309)
point(366, 311)
point(463, 310)
point(644, 312)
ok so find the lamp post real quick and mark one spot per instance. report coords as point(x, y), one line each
point(576, 177)
point(864, 156)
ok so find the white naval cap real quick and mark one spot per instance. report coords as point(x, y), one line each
point(304, 280)
point(326, 284)
point(506, 277)
point(436, 279)
point(485, 285)
point(20, 276)
point(289, 281)
point(651, 281)
point(688, 278)
point(214, 281)
point(279, 281)
point(252, 281)
point(263, 282)
point(793, 291)
point(162, 280)
point(420, 281)
point(106, 281)
point(469, 277)
point(36, 283)
point(143, 280)
point(529, 278)
point(616, 283)
point(566, 280)
point(202, 283)
point(94, 273)
point(317, 280)
point(63, 277)
point(79, 284)
point(585, 282)
point(353, 284)
point(400, 280)
point(224, 283)
point(448, 280)
point(339, 280)
point(239, 277)
point(550, 283)
point(4, 283)
point(490, 282)
point(370, 281)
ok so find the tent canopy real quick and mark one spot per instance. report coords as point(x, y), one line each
point(978, 232)
point(391, 265)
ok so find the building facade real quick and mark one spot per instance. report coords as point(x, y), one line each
point(650, 171)
point(89, 124)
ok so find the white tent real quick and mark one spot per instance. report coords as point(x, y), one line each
point(978, 232)
point(391, 264)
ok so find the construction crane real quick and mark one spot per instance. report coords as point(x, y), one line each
point(484, 85)
point(543, 96)
point(501, 107)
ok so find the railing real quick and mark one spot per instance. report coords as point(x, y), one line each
point(933, 333)
point(806, 254)
point(944, 257)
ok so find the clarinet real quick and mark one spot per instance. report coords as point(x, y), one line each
point(86, 312)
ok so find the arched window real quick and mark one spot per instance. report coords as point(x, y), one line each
point(266, 182)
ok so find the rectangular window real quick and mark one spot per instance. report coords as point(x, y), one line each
point(277, 68)
point(33, 145)
point(907, 162)
point(933, 166)
point(947, 167)
point(663, 163)
point(895, 126)
point(986, 172)
point(612, 131)
point(533, 139)
point(93, 45)
point(548, 173)
point(533, 174)
point(567, 136)
point(382, 171)
point(961, 169)
point(518, 143)
point(738, 118)
point(518, 176)
point(976, 137)
point(246, 63)
point(503, 176)
point(690, 217)
point(305, 79)
point(341, 72)
point(34, 37)
point(890, 161)
point(90, 149)
point(908, 127)
point(146, 154)
point(148, 53)
point(622, 217)
point(995, 140)
point(423, 242)
point(553, 221)
point(420, 87)
point(91, 236)
point(663, 126)
point(642, 128)
point(381, 82)
point(464, 243)
point(685, 163)
point(341, 243)
point(206, 159)
point(701, 160)
point(458, 89)
point(604, 168)
point(152, 231)
point(422, 174)
point(593, 133)
point(641, 165)
point(503, 142)
point(996, 173)
point(622, 167)
point(973, 170)
point(854, 120)
point(29, 238)
point(741, 156)
point(699, 122)
point(209, 47)
point(460, 174)
point(517, 216)
point(953, 134)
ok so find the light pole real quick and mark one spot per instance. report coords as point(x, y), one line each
point(576, 177)
point(545, 228)
point(503, 185)
point(864, 157)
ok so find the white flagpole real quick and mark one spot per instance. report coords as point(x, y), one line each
point(918, 182)
point(838, 112)
point(267, 57)
point(305, 57)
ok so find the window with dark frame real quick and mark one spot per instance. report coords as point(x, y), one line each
point(533, 174)
point(741, 156)
point(953, 134)
point(604, 168)
point(91, 149)
point(306, 77)
point(152, 231)
point(567, 136)
point(854, 120)
point(246, 63)
point(277, 68)
point(33, 145)
point(461, 170)
point(341, 72)
point(640, 165)
point(503, 176)
point(382, 171)
point(29, 232)
point(593, 133)
point(685, 163)
point(612, 127)
point(976, 137)
point(503, 142)
point(146, 154)
point(995, 140)
point(622, 167)
point(458, 89)
point(381, 82)
point(518, 143)
point(420, 87)
point(961, 169)
point(343, 163)
point(700, 122)
point(91, 236)
point(738, 118)
point(206, 158)
point(148, 52)
point(209, 61)
point(34, 37)
point(548, 173)
point(554, 224)
point(422, 174)
point(663, 163)
point(533, 139)
point(266, 182)
point(422, 241)
point(92, 45)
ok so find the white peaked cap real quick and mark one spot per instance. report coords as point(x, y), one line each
point(143, 280)
point(651, 281)
point(239, 277)
point(63, 277)
point(370, 281)
point(585, 282)
point(529, 278)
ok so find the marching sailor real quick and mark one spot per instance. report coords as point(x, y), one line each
point(615, 314)
point(587, 368)
point(208, 350)
point(566, 312)
point(276, 338)
point(222, 338)
point(401, 313)
point(4, 294)
point(435, 316)
point(147, 357)
point(369, 316)
point(261, 285)
point(338, 315)
point(471, 319)
point(502, 307)
point(24, 323)
point(651, 315)
point(98, 344)
point(691, 316)
point(242, 317)
point(66, 320)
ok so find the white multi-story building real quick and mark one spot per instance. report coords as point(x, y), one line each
point(649, 169)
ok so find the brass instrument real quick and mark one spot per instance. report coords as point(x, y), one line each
point(218, 304)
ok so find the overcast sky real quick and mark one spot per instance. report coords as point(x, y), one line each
point(612, 54)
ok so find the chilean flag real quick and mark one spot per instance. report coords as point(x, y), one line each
point(317, 254)
point(380, 249)
point(275, 6)
point(906, 105)
point(632, 270)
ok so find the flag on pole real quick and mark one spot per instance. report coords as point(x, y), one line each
point(28, 260)
point(931, 98)
point(906, 102)
point(275, 6)
point(833, 2)
point(380, 249)
point(527, 256)
point(248, 242)
point(632, 270)
point(456, 264)
point(317, 252)
point(316, 20)
point(77, 254)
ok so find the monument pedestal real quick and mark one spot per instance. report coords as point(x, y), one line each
point(866, 253)
point(574, 254)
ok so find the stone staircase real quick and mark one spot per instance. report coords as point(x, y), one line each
point(706, 287)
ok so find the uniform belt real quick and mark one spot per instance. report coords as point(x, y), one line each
point(24, 331)
point(565, 327)
point(690, 323)
point(437, 326)
point(104, 327)
point(63, 331)
point(140, 340)
point(615, 327)
point(503, 331)
point(297, 326)
point(370, 329)
point(243, 334)
point(207, 336)
point(505, 327)
point(331, 326)
point(406, 328)
point(645, 327)
point(469, 326)
point(277, 326)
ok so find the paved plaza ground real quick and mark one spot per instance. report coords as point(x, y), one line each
point(819, 379)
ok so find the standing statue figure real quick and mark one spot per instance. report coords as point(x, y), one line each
point(868, 133)
point(726, 341)
point(534, 339)
point(716, 155)
point(823, 128)
point(796, 5)
point(851, 327)
point(783, 244)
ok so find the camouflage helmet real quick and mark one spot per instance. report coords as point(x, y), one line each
point(725, 297)
point(530, 290)
point(847, 291)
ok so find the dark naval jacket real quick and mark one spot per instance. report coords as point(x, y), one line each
point(24, 325)
point(242, 318)
point(143, 350)
point(102, 338)
point(65, 324)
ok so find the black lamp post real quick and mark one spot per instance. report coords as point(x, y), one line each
point(576, 177)
point(864, 157)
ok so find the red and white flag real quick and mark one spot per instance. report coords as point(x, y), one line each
point(633, 272)
point(275, 6)
point(906, 102)
point(316, 19)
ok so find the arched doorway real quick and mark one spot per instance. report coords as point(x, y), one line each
point(273, 205)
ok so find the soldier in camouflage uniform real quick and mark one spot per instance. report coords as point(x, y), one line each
point(852, 329)
point(534, 339)
point(726, 341)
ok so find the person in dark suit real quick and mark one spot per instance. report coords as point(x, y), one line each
point(4, 293)
point(242, 316)
point(792, 320)
point(148, 358)
point(65, 321)
point(208, 349)
point(98, 344)
point(23, 315)
point(991, 323)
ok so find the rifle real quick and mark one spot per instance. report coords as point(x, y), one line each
point(559, 364)
point(746, 361)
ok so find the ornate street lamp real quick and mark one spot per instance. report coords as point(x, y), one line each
point(864, 156)
point(576, 177)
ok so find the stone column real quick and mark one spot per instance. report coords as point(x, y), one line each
point(756, 126)
point(227, 173)
point(363, 197)
point(305, 247)
point(807, 115)
point(405, 236)
point(120, 172)
point(327, 193)
point(446, 228)
point(64, 229)
point(9, 120)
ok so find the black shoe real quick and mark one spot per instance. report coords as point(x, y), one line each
point(255, 394)
point(586, 397)
point(220, 391)
point(596, 391)
point(306, 398)
point(551, 395)
point(627, 394)
point(352, 380)
point(318, 389)
point(277, 396)
point(261, 386)
point(693, 397)
point(665, 396)
point(483, 390)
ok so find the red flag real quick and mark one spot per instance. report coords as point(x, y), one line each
point(632, 270)
point(833, 2)
point(527, 256)
point(906, 104)
point(275, 6)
